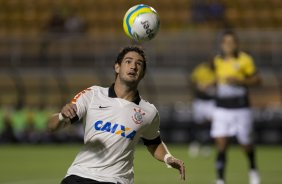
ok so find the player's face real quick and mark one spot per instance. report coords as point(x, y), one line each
point(228, 44)
point(131, 68)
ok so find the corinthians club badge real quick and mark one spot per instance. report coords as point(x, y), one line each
point(138, 116)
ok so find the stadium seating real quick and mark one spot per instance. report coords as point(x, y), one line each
point(30, 16)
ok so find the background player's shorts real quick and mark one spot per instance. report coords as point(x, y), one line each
point(202, 110)
point(233, 122)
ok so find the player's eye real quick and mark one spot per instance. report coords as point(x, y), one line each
point(139, 63)
point(128, 61)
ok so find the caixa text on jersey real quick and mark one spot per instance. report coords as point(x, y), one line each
point(115, 128)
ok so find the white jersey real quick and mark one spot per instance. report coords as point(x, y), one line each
point(113, 127)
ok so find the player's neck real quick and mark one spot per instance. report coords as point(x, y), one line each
point(125, 91)
point(228, 57)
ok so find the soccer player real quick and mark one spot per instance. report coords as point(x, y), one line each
point(203, 86)
point(235, 72)
point(116, 118)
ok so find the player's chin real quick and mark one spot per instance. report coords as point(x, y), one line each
point(132, 79)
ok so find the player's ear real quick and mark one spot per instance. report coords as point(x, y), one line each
point(117, 68)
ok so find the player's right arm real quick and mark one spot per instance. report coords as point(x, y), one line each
point(71, 112)
point(64, 118)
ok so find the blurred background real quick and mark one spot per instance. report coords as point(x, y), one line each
point(52, 49)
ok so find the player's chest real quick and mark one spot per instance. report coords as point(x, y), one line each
point(227, 68)
point(112, 113)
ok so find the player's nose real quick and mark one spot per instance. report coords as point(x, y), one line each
point(133, 66)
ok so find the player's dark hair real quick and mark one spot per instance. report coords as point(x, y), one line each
point(236, 39)
point(128, 49)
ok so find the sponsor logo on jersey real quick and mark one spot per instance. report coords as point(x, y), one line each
point(138, 116)
point(115, 128)
point(103, 107)
point(79, 94)
point(236, 66)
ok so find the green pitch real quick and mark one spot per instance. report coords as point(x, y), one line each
point(48, 164)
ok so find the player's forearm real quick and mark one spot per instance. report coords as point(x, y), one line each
point(159, 151)
point(252, 81)
point(59, 120)
point(54, 123)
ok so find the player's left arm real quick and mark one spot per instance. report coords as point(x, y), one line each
point(248, 81)
point(252, 80)
point(161, 153)
point(252, 76)
point(151, 138)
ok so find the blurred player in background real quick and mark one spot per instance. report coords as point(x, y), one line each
point(235, 72)
point(116, 118)
point(203, 86)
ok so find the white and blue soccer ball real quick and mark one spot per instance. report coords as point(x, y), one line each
point(141, 22)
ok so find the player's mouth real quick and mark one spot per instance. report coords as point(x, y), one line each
point(132, 74)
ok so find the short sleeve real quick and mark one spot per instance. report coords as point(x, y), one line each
point(196, 73)
point(82, 101)
point(153, 130)
point(249, 66)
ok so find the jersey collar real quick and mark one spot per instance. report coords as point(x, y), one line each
point(112, 94)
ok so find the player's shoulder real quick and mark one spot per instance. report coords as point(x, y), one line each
point(148, 106)
point(217, 58)
point(97, 89)
point(245, 56)
point(200, 67)
point(93, 90)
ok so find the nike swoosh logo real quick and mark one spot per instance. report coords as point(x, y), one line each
point(103, 107)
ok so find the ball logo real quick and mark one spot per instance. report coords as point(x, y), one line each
point(138, 116)
point(149, 31)
point(146, 26)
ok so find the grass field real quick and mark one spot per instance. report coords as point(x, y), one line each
point(48, 164)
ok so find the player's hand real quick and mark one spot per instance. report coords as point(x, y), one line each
point(202, 87)
point(69, 111)
point(205, 87)
point(234, 81)
point(177, 164)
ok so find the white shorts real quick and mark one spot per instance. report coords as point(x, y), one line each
point(233, 122)
point(202, 110)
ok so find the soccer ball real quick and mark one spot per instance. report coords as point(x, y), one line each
point(141, 22)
